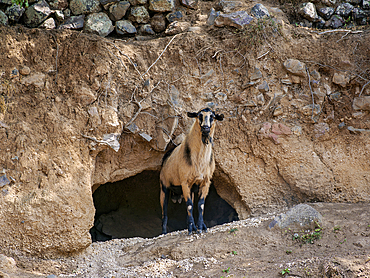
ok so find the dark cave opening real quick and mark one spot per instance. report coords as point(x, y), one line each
point(131, 208)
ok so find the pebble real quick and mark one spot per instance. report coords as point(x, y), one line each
point(25, 70)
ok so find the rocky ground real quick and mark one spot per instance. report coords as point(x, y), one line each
point(246, 248)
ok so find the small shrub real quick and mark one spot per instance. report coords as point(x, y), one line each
point(20, 3)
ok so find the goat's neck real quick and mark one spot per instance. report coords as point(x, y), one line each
point(195, 139)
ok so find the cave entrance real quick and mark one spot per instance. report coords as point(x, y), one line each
point(131, 208)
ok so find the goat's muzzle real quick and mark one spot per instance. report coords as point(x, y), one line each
point(205, 130)
point(205, 134)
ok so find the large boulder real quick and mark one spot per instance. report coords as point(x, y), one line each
point(3, 18)
point(37, 13)
point(79, 7)
point(98, 23)
point(14, 12)
point(161, 5)
point(125, 27)
point(300, 217)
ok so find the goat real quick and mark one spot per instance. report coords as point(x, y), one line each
point(189, 168)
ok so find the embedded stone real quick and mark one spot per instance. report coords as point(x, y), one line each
point(58, 4)
point(264, 87)
point(278, 111)
point(84, 6)
point(329, 2)
point(139, 14)
point(174, 16)
point(320, 23)
point(361, 103)
point(257, 74)
point(341, 79)
point(260, 11)
point(3, 18)
point(125, 27)
point(158, 23)
point(335, 22)
point(344, 9)
point(321, 129)
point(161, 5)
point(36, 14)
point(307, 110)
point(228, 6)
point(36, 79)
point(104, 3)
point(48, 24)
point(73, 22)
point(366, 4)
point(308, 11)
point(98, 23)
point(4, 181)
point(238, 19)
point(25, 70)
point(191, 4)
point(176, 28)
point(146, 29)
point(360, 16)
point(260, 99)
point(118, 10)
point(67, 13)
point(358, 130)
point(212, 16)
point(280, 129)
point(326, 12)
point(295, 67)
point(59, 16)
point(14, 12)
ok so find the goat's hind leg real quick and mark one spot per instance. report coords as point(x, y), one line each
point(164, 196)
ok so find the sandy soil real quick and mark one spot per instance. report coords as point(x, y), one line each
point(246, 248)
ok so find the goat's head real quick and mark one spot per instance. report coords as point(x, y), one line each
point(206, 117)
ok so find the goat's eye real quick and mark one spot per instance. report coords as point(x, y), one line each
point(201, 118)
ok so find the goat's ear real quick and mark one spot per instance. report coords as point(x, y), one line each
point(219, 117)
point(192, 114)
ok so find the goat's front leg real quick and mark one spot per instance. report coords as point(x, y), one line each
point(202, 196)
point(189, 208)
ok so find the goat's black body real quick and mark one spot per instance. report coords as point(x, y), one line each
point(167, 155)
point(187, 154)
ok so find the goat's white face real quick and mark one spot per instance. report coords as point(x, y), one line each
point(206, 118)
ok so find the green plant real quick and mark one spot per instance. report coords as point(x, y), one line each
point(227, 270)
point(308, 236)
point(288, 251)
point(285, 271)
point(233, 230)
point(20, 3)
point(336, 228)
point(234, 253)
